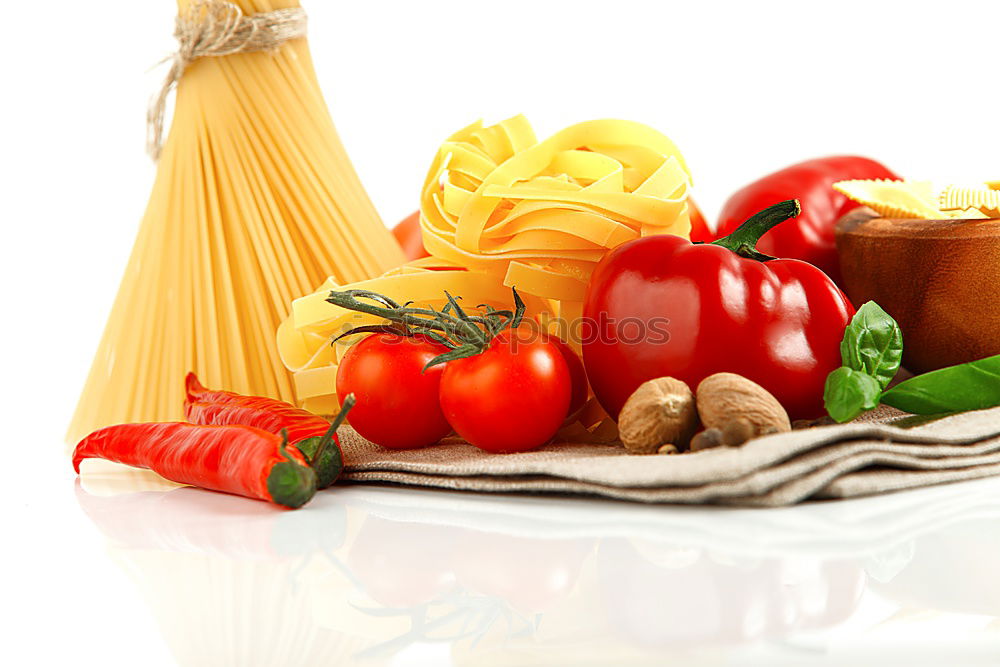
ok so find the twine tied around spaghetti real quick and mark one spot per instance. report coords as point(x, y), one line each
point(215, 28)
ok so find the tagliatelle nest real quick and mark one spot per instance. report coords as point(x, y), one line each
point(540, 215)
point(500, 209)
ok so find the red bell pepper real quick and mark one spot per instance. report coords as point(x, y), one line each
point(663, 306)
point(810, 238)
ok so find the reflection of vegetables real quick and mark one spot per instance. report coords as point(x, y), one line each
point(704, 309)
point(705, 601)
point(810, 237)
point(305, 430)
point(241, 460)
point(971, 386)
point(531, 575)
point(403, 563)
point(398, 405)
point(968, 584)
point(409, 236)
point(187, 520)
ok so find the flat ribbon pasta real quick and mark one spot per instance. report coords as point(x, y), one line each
point(542, 214)
point(500, 209)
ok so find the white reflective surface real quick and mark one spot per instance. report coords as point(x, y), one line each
point(381, 575)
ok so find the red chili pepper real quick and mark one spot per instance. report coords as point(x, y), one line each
point(668, 307)
point(305, 430)
point(234, 459)
point(810, 237)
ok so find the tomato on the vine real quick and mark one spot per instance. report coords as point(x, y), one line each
point(397, 401)
point(511, 397)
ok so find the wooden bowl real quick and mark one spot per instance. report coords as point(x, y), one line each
point(940, 279)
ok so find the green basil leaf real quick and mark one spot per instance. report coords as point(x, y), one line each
point(873, 344)
point(849, 392)
point(971, 386)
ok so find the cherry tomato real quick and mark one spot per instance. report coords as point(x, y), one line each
point(409, 236)
point(398, 405)
point(512, 397)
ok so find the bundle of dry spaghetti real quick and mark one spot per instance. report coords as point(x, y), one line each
point(255, 202)
point(501, 209)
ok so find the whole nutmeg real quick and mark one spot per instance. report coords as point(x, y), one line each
point(659, 412)
point(740, 408)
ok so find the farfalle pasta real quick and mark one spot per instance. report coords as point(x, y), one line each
point(922, 200)
point(500, 209)
point(963, 201)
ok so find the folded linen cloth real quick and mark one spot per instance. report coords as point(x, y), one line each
point(884, 451)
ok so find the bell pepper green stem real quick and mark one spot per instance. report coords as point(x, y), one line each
point(743, 241)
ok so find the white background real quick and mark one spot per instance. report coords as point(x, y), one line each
point(742, 88)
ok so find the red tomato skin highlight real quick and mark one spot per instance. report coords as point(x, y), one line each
point(810, 237)
point(778, 323)
point(513, 397)
point(397, 404)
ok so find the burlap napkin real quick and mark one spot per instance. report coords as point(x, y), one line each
point(885, 451)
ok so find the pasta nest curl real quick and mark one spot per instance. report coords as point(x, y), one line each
point(540, 215)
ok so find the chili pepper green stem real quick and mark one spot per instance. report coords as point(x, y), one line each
point(743, 241)
point(348, 403)
point(290, 483)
